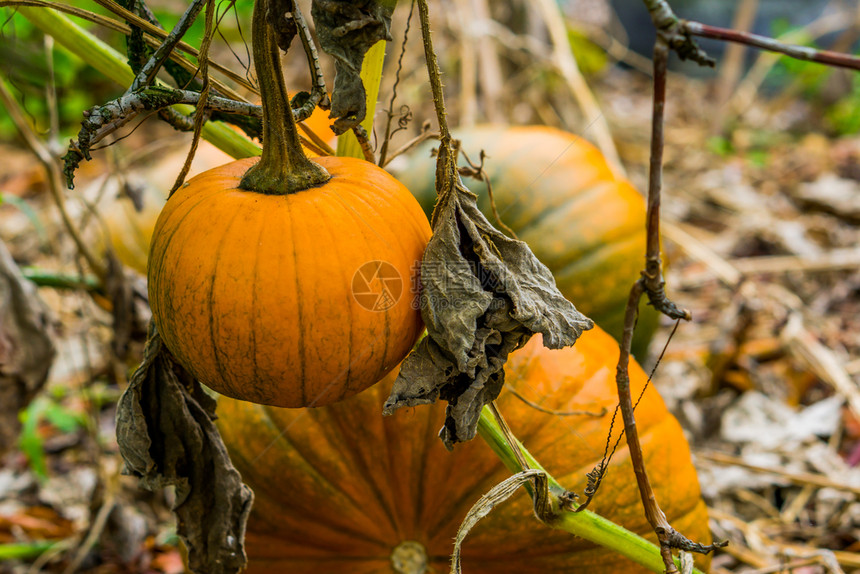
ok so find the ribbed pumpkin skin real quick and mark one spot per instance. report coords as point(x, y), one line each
point(253, 293)
point(338, 488)
point(556, 191)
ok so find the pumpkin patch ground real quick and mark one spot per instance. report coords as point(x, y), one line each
point(273, 280)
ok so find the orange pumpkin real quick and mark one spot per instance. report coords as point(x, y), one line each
point(338, 489)
point(270, 298)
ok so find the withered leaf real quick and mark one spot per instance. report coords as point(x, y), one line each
point(167, 436)
point(346, 30)
point(284, 27)
point(483, 295)
point(26, 349)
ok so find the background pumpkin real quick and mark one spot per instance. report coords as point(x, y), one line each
point(337, 488)
point(255, 294)
point(558, 194)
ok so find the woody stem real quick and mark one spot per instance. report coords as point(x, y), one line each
point(283, 167)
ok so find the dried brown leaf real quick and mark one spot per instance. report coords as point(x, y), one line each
point(488, 501)
point(346, 30)
point(26, 350)
point(167, 437)
point(483, 295)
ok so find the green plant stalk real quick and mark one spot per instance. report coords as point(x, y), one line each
point(24, 551)
point(371, 76)
point(584, 524)
point(46, 278)
point(114, 66)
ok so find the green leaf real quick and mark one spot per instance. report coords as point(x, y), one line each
point(30, 441)
point(63, 419)
point(720, 146)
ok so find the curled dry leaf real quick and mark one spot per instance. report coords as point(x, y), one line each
point(167, 436)
point(26, 350)
point(483, 295)
point(346, 30)
point(498, 494)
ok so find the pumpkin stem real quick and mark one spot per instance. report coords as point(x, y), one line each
point(283, 167)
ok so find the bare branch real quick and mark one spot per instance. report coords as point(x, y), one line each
point(826, 57)
point(147, 73)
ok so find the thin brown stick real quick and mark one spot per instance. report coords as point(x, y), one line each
point(569, 70)
point(677, 33)
point(826, 57)
point(651, 284)
point(748, 87)
point(555, 413)
point(201, 113)
point(652, 277)
point(598, 473)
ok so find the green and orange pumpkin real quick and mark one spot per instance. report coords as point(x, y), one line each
point(343, 489)
point(558, 194)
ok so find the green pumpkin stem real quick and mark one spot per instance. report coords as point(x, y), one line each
point(283, 168)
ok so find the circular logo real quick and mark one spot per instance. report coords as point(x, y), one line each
point(377, 286)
